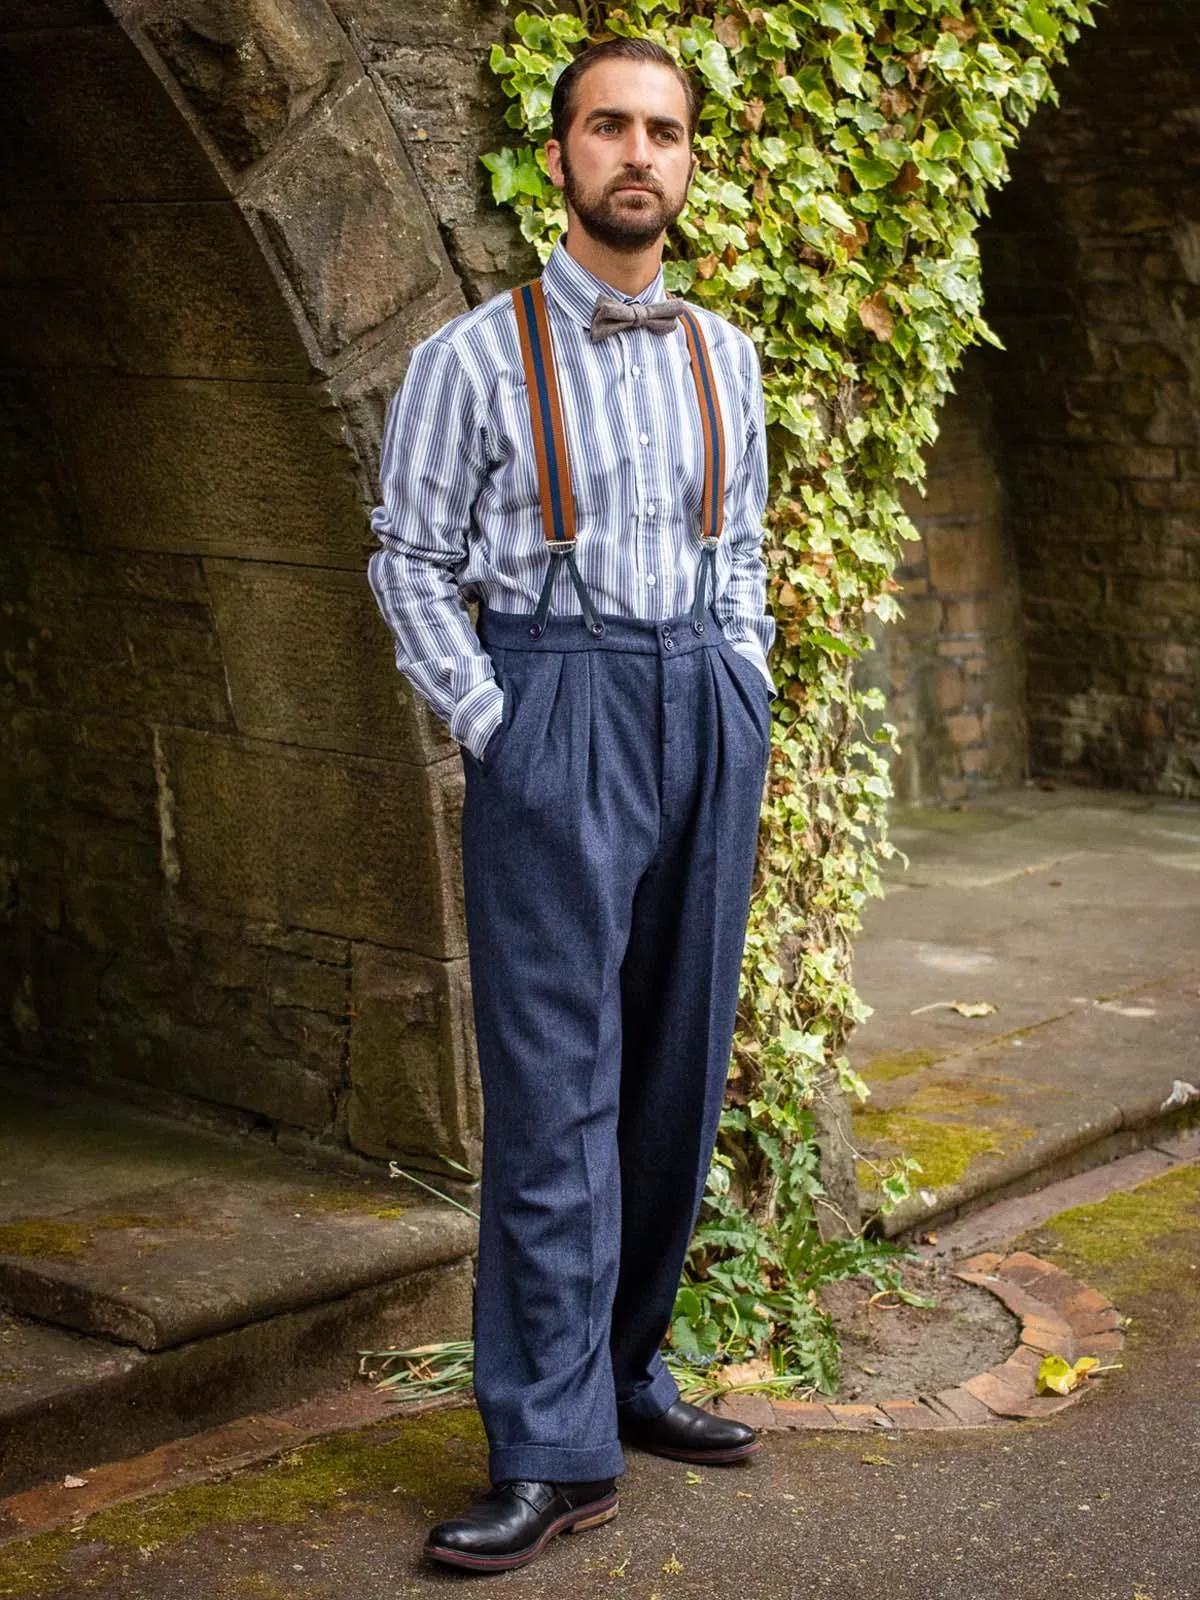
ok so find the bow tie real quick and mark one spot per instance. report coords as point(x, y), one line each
point(613, 316)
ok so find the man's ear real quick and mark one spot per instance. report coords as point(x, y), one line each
point(554, 162)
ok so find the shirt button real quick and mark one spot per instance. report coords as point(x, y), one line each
point(644, 438)
point(650, 510)
point(637, 371)
point(651, 579)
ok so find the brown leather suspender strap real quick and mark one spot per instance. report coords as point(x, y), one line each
point(545, 412)
point(712, 502)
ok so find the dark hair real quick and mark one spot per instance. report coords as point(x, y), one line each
point(562, 103)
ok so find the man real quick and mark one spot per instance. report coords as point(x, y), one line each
point(613, 711)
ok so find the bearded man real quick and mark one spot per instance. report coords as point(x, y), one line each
point(587, 460)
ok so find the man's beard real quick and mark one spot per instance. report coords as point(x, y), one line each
point(627, 225)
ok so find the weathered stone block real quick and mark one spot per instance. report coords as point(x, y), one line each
point(212, 1065)
point(412, 1063)
point(242, 469)
point(335, 843)
point(354, 235)
point(308, 985)
point(457, 24)
point(34, 506)
point(249, 68)
point(82, 114)
point(177, 288)
point(309, 662)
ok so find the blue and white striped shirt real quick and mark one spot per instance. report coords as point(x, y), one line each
point(461, 516)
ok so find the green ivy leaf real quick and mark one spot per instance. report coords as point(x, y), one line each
point(713, 62)
point(846, 60)
point(872, 172)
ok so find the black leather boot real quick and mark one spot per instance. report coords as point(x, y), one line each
point(514, 1521)
point(685, 1433)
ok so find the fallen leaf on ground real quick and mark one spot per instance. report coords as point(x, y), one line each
point(673, 1565)
point(738, 1373)
point(1058, 1376)
point(70, 1482)
point(965, 1008)
point(693, 1477)
point(877, 1461)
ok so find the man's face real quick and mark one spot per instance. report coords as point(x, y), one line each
point(626, 161)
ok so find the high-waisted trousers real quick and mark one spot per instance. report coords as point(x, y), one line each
point(608, 850)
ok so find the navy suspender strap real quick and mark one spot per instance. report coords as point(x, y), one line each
point(554, 466)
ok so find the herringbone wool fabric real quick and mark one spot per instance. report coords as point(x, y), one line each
point(608, 847)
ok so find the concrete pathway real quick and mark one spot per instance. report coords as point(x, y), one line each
point(1076, 916)
point(1095, 1503)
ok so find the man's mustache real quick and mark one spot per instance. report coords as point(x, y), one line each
point(643, 179)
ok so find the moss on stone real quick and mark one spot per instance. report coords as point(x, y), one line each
point(938, 1126)
point(884, 1068)
point(1135, 1243)
point(344, 1201)
point(945, 1150)
point(437, 1459)
point(43, 1238)
point(47, 1238)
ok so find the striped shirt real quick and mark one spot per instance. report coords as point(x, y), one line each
point(461, 515)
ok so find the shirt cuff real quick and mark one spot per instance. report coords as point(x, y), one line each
point(477, 716)
point(752, 651)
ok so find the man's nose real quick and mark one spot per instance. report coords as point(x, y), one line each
point(639, 151)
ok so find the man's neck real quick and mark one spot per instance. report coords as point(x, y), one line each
point(628, 272)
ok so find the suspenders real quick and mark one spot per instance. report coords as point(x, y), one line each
point(554, 466)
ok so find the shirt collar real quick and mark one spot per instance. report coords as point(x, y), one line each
point(575, 289)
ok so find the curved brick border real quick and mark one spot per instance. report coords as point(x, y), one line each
point(1059, 1316)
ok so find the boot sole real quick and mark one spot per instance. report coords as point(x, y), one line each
point(701, 1458)
point(577, 1521)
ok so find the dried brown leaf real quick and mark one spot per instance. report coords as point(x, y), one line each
point(875, 316)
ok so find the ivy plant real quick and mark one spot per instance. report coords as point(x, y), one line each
point(847, 149)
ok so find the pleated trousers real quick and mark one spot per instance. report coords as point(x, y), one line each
point(608, 850)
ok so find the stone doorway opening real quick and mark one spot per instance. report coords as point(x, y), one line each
point(1053, 605)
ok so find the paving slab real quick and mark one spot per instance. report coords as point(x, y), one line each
point(1077, 918)
point(158, 1278)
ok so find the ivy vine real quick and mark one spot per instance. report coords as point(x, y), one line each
point(847, 149)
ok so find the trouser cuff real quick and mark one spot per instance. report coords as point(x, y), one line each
point(552, 1463)
point(652, 1399)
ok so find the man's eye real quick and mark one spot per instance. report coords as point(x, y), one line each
point(667, 135)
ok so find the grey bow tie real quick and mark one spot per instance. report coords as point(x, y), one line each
point(612, 316)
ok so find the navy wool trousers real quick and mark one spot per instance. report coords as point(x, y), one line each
point(608, 849)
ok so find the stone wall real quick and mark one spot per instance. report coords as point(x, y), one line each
point(228, 836)
point(1092, 273)
point(952, 668)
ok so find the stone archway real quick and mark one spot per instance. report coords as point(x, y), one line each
point(228, 838)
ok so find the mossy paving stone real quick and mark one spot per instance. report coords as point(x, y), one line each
point(1096, 1504)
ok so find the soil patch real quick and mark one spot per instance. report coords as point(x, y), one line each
point(891, 1350)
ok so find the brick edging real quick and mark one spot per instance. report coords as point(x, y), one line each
point(1059, 1316)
